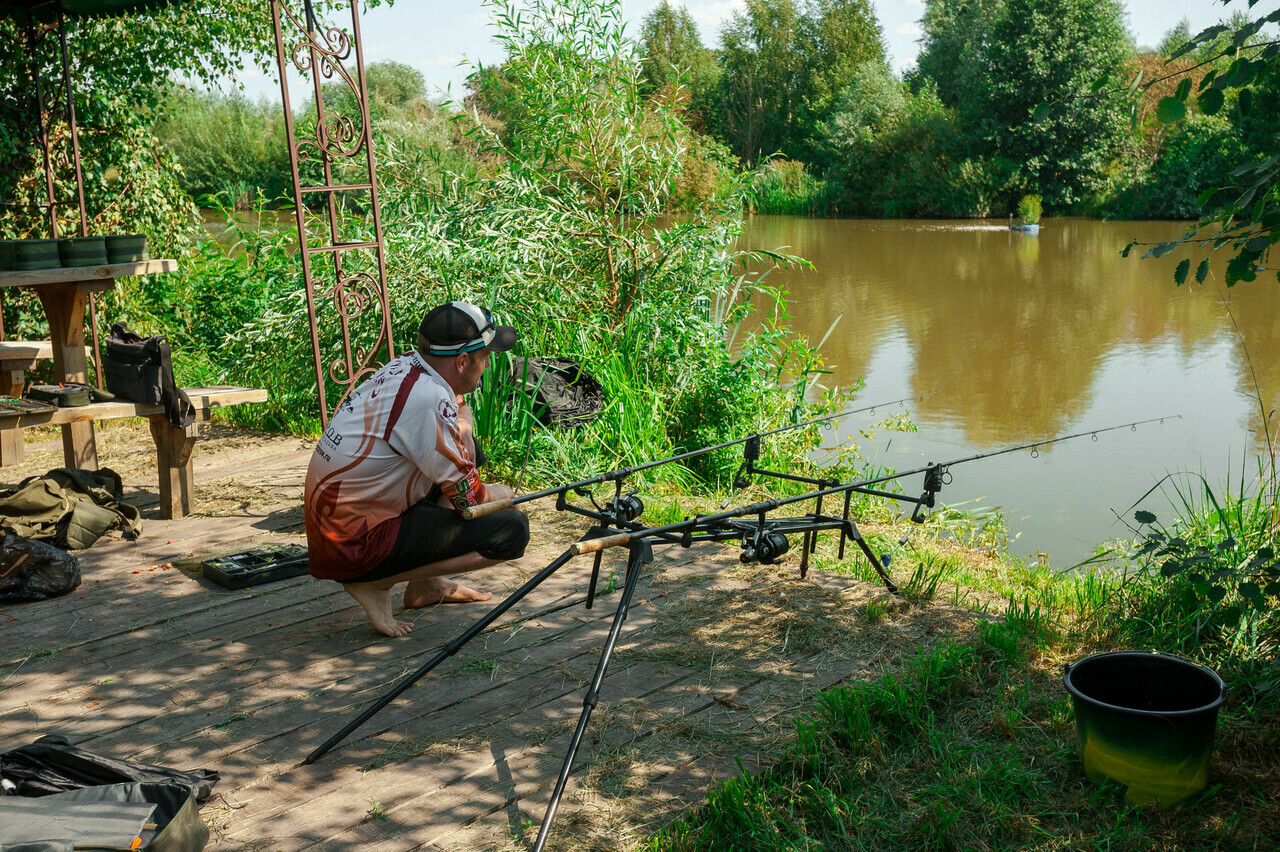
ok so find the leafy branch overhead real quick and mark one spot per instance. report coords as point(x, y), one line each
point(1234, 64)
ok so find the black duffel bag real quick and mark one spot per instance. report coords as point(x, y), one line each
point(141, 369)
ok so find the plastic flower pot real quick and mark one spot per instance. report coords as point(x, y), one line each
point(1147, 721)
point(126, 248)
point(83, 251)
point(36, 254)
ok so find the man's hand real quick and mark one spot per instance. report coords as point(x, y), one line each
point(497, 491)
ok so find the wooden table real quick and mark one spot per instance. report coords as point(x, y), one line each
point(64, 294)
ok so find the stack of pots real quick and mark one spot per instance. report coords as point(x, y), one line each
point(24, 255)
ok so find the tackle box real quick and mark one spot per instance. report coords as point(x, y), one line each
point(14, 406)
point(253, 567)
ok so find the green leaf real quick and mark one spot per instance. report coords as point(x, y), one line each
point(1142, 516)
point(1170, 110)
point(1184, 89)
point(1041, 113)
point(1245, 101)
point(1211, 101)
point(1258, 244)
point(1202, 271)
point(1250, 591)
point(1180, 274)
point(1216, 594)
point(1125, 251)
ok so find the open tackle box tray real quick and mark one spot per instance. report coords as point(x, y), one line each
point(238, 570)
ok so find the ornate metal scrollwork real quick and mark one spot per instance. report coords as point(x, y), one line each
point(356, 302)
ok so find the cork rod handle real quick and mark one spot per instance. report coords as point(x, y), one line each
point(472, 512)
point(597, 544)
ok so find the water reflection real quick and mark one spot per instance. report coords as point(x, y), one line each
point(1023, 337)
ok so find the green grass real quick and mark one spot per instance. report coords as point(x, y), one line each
point(970, 745)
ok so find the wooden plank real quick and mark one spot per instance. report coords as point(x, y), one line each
point(65, 274)
point(25, 350)
point(204, 399)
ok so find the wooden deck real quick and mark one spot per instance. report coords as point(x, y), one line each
point(149, 661)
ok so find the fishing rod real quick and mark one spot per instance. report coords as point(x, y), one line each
point(483, 509)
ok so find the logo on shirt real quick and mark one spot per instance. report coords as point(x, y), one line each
point(447, 410)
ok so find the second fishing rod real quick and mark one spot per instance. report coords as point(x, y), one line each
point(622, 473)
point(936, 475)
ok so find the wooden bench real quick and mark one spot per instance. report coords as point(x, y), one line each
point(173, 445)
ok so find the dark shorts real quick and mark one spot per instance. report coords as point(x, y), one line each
point(429, 533)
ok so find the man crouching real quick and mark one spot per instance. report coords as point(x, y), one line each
point(395, 467)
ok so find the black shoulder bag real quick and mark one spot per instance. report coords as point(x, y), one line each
point(141, 369)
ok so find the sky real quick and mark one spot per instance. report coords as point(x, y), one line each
point(439, 38)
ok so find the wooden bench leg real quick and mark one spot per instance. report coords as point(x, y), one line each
point(13, 381)
point(78, 446)
point(173, 463)
point(11, 449)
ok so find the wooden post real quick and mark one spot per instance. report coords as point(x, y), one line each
point(173, 464)
point(64, 306)
point(11, 446)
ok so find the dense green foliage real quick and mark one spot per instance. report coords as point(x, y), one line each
point(1002, 103)
point(121, 73)
point(1235, 75)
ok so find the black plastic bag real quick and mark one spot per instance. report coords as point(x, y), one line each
point(35, 571)
point(52, 765)
point(563, 394)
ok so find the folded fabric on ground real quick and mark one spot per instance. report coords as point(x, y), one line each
point(111, 824)
point(69, 508)
point(91, 816)
point(52, 765)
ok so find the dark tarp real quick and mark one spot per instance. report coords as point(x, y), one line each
point(563, 394)
point(35, 571)
point(53, 765)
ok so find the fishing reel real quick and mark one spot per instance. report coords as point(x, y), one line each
point(765, 547)
point(626, 507)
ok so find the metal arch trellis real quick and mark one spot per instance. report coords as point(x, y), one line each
point(320, 52)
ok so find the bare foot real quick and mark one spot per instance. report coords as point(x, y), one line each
point(436, 590)
point(377, 605)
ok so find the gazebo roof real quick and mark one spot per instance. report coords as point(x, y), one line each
point(81, 8)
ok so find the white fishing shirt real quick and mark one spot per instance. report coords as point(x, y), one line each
point(391, 440)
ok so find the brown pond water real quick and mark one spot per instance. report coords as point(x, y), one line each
point(1020, 338)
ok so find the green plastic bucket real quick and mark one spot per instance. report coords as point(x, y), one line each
point(1147, 721)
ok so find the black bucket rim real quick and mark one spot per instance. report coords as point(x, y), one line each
point(1223, 689)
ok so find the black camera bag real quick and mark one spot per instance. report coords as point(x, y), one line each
point(141, 369)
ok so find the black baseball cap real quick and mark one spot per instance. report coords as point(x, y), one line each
point(457, 327)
